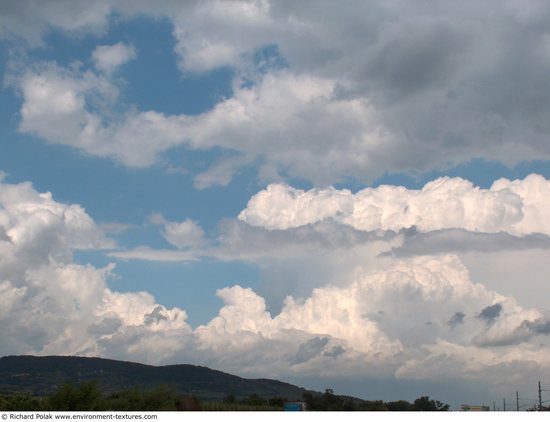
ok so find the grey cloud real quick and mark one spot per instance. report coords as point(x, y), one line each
point(3, 235)
point(456, 319)
point(490, 313)
point(453, 81)
point(460, 240)
point(523, 333)
point(155, 316)
point(448, 83)
point(428, 56)
point(32, 19)
point(335, 352)
point(106, 326)
point(240, 240)
point(309, 350)
point(539, 326)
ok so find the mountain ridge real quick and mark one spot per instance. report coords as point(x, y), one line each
point(41, 375)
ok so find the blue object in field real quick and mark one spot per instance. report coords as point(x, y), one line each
point(294, 407)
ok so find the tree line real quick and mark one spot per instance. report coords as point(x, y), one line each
point(329, 401)
point(87, 396)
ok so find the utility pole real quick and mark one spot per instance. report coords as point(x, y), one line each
point(517, 401)
point(504, 405)
point(494, 406)
point(540, 398)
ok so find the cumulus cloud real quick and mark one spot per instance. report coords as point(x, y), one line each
point(205, 35)
point(369, 87)
point(373, 323)
point(70, 107)
point(30, 20)
point(288, 113)
point(437, 79)
point(109, 58)
point(301, 240)
point(186, 234)
point(512, 206)
point(50, 304)
point(340, 330)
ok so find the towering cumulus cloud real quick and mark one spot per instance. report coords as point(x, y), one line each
point(52, 305)
point(190, 109)
point(420, 317)
point(516, 207)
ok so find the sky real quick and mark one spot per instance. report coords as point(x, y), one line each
point(350, 195)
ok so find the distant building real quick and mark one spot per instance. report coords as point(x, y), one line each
point(474, 408)
point(294, 406)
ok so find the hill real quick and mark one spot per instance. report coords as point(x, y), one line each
point(40, 376)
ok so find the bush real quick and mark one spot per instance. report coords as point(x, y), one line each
point(20, 402)
point(86, 396)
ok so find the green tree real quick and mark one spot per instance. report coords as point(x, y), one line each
point(399, 406)
point(255, 400)
point(374, 405)
point(86, 396)
point(20, 402)
point(161, 398)
point(426, 405)
point(230, 399)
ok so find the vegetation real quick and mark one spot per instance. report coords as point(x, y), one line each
point(77, 383)
point(88, 396)
point(41, 376)
point(330, 401)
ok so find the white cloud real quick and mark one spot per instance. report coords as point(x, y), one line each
point(376, 321)
point(206, 38)
point(297, 126)
point(370, 87)
point(276, 121)
point(301, 240)
point(73, 108)
point(32, 220)
point(516, 207)
point(31, 19)
point(521, 274)
point(186, 234)
point(146, 253)
point(51, 305)
point(108, 58)
point(387, 319)
point(438, 80)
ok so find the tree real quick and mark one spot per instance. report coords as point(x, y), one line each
point(86, 396)
point(20, 402)
point(189, 403)
point(400, 406)
point(230, 399)
point(426, 405)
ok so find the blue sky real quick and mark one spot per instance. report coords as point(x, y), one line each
point(348, 191)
